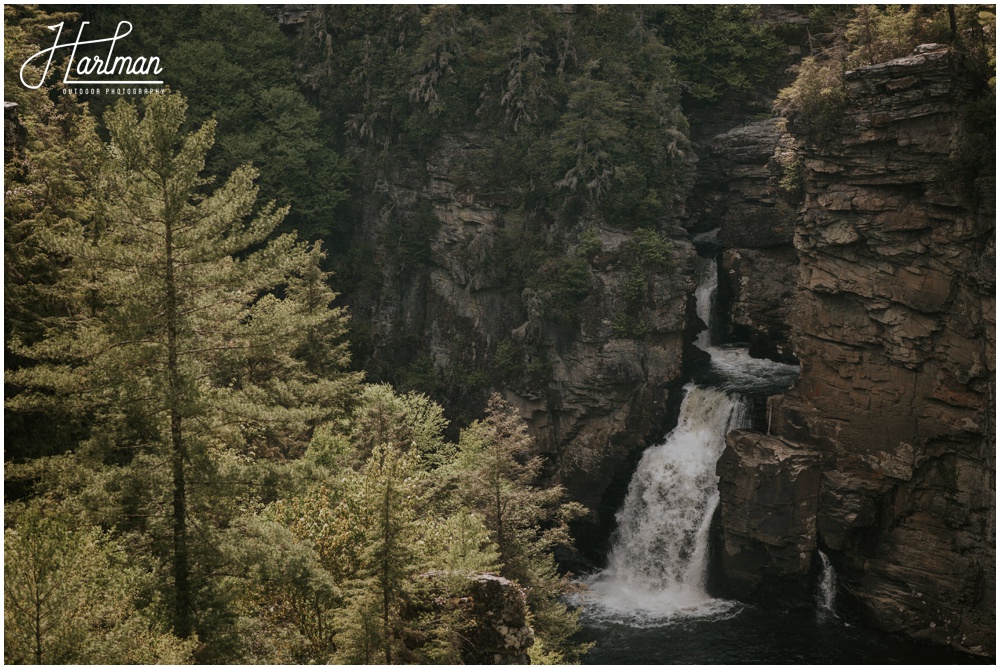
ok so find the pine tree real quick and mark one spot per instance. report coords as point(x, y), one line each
point(70, 597)
point(497, 477)
point(372, 623)
point(187, 351)
point(48, 189)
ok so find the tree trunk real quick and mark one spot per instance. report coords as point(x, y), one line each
point(182, 586)
point(386, 557)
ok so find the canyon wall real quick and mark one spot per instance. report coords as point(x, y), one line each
point(883, 453)
point(755, 214)
point(591, 394)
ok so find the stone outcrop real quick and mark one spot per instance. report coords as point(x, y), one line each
point(755, 214)
point(501, 633)
point(894, 325)
point(489, 616)
point(769, 492)
point(601, 393)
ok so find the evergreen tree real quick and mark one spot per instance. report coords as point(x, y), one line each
point(233, 64)
point(497, 476)
point(49, 178)
point(186, 351)
point(70, 596)
point(372, 623)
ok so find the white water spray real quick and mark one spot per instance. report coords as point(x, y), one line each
point(826, 593)
point(658, 565)
point(659, 561)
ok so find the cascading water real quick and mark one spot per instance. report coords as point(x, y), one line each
point(650, 606)
point(732, 367)
point(826, 593)
point(658, 564)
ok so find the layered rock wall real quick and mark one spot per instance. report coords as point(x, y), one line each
point(756, 216)
point(894, 325)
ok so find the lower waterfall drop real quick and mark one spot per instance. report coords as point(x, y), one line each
point(826, 593)
point(658, 565)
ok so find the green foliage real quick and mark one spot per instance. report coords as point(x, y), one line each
point(186, 364)
point(234, 65)
point(589, 244)
point(793, 176)
point(422, 376)
point(520, 367)
point(562, 284)
point(400, 532)
point(507, 360)
point(629, 326)
point(881, 34)
point(719, 50)
point(370, 626)
point(496, 476)
point(71, 597)
point(651, 249)
point(582, 122)
point(285, 599)
point(411, 420)
point(636, 287)
point(870, 34)
point(49, 190)
point(646, 254)
point(818, 96)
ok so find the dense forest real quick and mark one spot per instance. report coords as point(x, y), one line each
point(210, 456)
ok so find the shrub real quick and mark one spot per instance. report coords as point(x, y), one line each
point(793, 179)
point(652, 250)
point(628, 326)
point(590, 243)
point(818, 96)
point(562, 283)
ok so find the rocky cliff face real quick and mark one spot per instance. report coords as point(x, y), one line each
point(756, 215)
point(591, 394)
point(883, 453)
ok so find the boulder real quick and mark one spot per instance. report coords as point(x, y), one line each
point(768, 495)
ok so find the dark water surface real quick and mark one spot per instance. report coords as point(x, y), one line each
point(754, 636)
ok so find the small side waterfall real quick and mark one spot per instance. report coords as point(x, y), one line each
point(704, 296)
point(826, 592)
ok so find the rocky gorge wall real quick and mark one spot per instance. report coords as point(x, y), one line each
point(756, 217)
point(883, 453)
point(598, 395)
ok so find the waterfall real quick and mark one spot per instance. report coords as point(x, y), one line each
point(659, 560)
point(826, 593)
point(704, 299)
point(734, 368)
